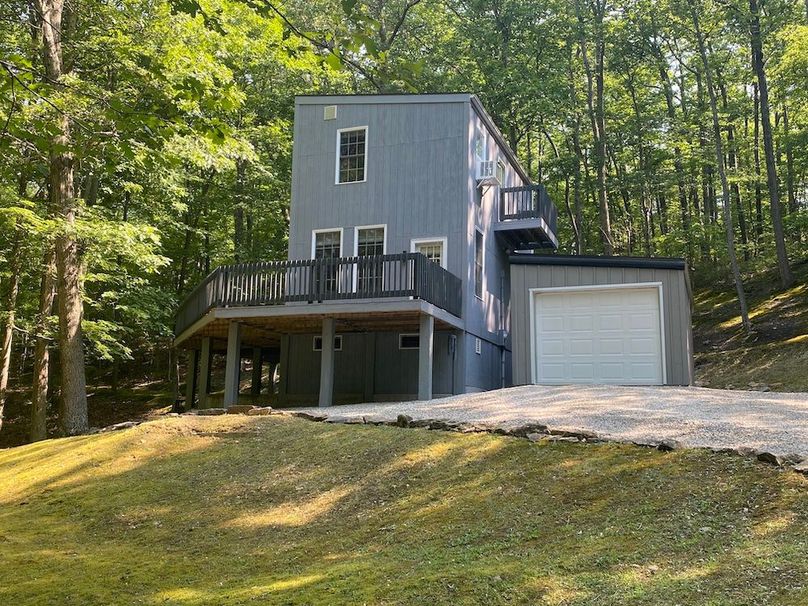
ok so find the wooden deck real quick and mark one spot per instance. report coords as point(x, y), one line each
point(294, 296)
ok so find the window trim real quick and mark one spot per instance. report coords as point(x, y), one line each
point(326, 230)
point(501, 164)
point(477, 230)
point(408, 334)
point(336, 159)
point(337, 343)
point(444, 242)
point(356, 236)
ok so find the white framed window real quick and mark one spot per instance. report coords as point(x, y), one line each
point(327, 244)
point(317, 343)
point(409, 340)
point(369, 241)
point(500, 172)
point(480, 144)
point(352, 155)
point(433, 249)
point(479, 263)
point(478, 346)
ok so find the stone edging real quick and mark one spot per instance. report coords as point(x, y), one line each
point(535, 432)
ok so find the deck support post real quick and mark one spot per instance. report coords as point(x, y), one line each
point(233, 364)
point(327, 364)
point(191, 378)
point(257, 369)
point(204, 372)
point(426, 337)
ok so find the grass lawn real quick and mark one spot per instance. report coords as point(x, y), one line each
point(277, 510)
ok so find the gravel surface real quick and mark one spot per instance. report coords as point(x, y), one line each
point(693, 416)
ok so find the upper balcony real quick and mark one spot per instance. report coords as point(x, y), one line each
point(278, 283)
point(527, 218)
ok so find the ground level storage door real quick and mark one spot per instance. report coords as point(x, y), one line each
point(598, 335)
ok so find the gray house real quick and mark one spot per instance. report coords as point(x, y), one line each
point(411, 272)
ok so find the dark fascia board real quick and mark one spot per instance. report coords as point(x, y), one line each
point(458, 97)
point(356, 99)
point(595, 261)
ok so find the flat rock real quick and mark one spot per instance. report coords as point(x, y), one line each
point(259, 411)
point(210, 412)
point(770, 457)
point(119, 426)
point(240, 409)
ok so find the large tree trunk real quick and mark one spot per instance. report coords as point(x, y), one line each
point(8, 325)
point(758, 190)
point(68, 264)
point(39, 392)
point(597, 115)
point(722, 173)
point(786, 277)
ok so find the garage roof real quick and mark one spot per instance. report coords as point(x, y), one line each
point(600, 261)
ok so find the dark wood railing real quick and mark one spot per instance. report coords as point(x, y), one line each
point(527, 202)
point(316, 280)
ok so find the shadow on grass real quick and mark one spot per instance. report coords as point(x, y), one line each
point(279, 510)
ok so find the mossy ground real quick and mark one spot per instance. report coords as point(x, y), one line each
point(276, 510)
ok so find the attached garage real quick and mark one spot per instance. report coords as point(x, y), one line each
point(600, 320)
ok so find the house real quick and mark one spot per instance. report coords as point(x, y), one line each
point(411, 272)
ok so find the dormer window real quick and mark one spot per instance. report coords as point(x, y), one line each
point(351, 154)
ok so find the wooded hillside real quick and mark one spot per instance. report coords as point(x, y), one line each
point(144, 143)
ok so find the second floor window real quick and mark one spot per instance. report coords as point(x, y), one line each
point(478, 264)
point(351, 155)
point(370, 243)
point(501, 172)
point(434, 250)
point(327, 247)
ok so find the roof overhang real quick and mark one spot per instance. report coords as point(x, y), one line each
point(676, 263)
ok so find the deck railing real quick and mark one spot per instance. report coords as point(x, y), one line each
point(527, 202)
point(316, 280)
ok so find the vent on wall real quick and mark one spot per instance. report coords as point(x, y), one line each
point(330, 112)
point(478, 346)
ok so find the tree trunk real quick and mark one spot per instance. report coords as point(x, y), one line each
point(792, 197)
point(758, 190)
point(8, 325)
point(722, 173)
point(786, 277)
point(597, 114)
point(68, 264)
point(39, 392)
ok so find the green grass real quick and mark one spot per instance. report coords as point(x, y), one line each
point(775, 355)
point(276, 510)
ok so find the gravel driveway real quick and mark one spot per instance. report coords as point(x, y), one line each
point(693, 416)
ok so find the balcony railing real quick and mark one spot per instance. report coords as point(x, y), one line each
point(527, 202)
point(316, 280)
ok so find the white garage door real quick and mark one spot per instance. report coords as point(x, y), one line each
point(609, 335)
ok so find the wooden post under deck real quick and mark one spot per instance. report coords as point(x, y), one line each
point(233, 364)
point(327, 364)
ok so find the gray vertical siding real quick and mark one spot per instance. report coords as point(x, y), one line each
point(421, 182)
point(415, 175)
point(677, 320)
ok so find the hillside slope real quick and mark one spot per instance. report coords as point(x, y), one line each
point(775, 356)
point(275, 510)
